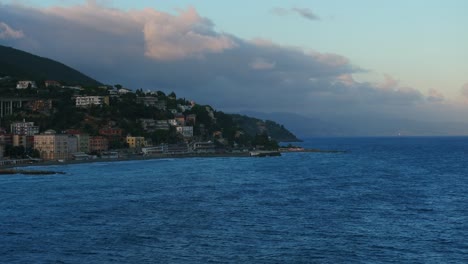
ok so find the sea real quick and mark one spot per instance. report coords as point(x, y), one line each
point(385, 200)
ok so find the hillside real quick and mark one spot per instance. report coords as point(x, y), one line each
point(135, 113)
point(22, 65)
point(253, 126)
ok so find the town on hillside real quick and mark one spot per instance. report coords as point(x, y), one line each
point(50, 121)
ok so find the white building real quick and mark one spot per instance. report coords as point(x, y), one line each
point(26, 84)
point(123, 91)
point(24, 128)
point(85, 101)
point(185, 131)
point(203, 147)
point(172, 122)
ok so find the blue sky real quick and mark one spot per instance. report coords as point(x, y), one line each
point(335, 60)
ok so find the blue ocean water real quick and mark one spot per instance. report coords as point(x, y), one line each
point(388, 200)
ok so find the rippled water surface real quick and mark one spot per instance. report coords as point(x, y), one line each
point(388, 200)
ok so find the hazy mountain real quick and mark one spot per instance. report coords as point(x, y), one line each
point(253, 126)
point(22, 65)
point(361, 126)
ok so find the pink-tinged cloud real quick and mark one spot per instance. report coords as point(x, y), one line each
point(389, 83)
point(435, 96)
point(151, 49)
point(464, 91)
point(330, 59)
point(262, 64)
point(6, 32)
point(346, 79)
point(263, 42)
point(182, 36)
point(166, 36)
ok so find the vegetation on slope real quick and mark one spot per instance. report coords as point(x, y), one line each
point(22, 65)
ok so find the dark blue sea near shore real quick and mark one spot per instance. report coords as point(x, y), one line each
point(388, 200)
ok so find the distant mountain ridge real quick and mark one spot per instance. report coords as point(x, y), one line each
point(254, 126)
point(312, 126)
point(23, 65)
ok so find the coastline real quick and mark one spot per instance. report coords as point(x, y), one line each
point(14, 168)
point(126, 158)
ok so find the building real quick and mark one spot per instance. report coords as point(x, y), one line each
point(98, 144)
point(83, 140)
point(181, 148)
point(110, 132)
point(162, 125)
point(26, 84)
point(185, 131)
point(113, 135)
point(23, 140)
point(148, 101)
point(184, 108)
point(136, 142)
point(148, 125)
point(155, 150)
point(123, 91)
point(6, 139)
point(191, 119)
point(52, 83)
point(203, 147)
point(24, 128)
point(55, 146)
point(40, 105)
point(172, 122)
point(86, 101)
point(180, 119)
point(161, 105)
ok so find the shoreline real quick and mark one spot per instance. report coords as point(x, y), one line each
point(14, 168)
point(126, 158)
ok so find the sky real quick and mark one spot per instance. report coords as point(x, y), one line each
point(332, 60)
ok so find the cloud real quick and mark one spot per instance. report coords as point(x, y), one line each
point(464, 91)
point(303, 12)
point(178, 37)
point(262, 64)
point(435, 96)
point(183, 52)
point(6, 32)
point(389, 83)
point(166, 36)
point(306, 13)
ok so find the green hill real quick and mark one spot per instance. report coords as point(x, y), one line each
point(124, 111)
point(22, 65)
point(253, 126)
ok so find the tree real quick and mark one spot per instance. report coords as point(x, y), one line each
point(264, 141)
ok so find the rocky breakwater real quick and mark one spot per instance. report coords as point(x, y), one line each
point(28, 172)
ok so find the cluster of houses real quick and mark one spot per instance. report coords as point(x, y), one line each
point(73, 144)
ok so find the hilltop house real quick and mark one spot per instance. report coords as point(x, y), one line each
point(185, 131)
point(86, 101)
point(26, 84)
point(52, 83)
point(123, 91)
point(24, 128)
